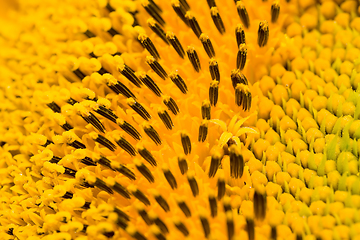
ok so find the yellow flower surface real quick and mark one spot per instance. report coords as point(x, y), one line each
point(179, 119)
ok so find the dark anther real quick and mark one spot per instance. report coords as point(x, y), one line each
point(129, 74)
point(156, 67)
point(243, 14)
point(171, 104)
point(206, 42)
point(193, 58)
point(148, 45)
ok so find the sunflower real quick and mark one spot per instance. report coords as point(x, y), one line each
point(154, 119)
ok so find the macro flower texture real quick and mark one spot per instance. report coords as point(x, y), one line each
point(179, 119)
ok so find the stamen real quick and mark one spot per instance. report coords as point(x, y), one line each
point(144, 216)
point(163, 228)
point(243, 96)
point(77, 144)
point(149, 83)
point(93, 55)
point(203, 130)
point(230, 225)
point(121, 190)
point(156, 28)
point(170, 177)
point(221, 187)
point(120, 223)
point(68, 195)
point(183, 165)
point(48, 142)
point(121, 214)
point(240, 35)
point(275, 11)
point(53, 106)
point(241, 57)
point(214, 92)
point(185, 5)
point(263, 33)
point(162, 202)
point(178, 81)
point(151, 132)
point(71, 101)
point(135, 234)
point(155, 6)
point(121, 169)
point(67, 126)
point(217, 19)
point(243, 14)
point(70, 172)
point(174, 41)
point(126, 146)
point(206, 110)
point(146, 154)
point(186, 143)
point(211, 3)
point(193, 184)
point(128, 128)
point(213, 205)
point(273, 234)
point(148, 45)
point(103, 111)
point(138, 108)
point(214, 69)
point(102, 185)
point(55, 159)
point(129, 74)
point(153, 11)
point(86, 206)
point(209, 49)
point(88, 161)
point(120, 88)
point(194, 58)
point(145, 171)
point(112, 32)
point(259, 204)
point(193, 23)
point(140, 195)
point(109, 7)
point(79, 74)
point(250, 228)
point(238, 77)
point(182, 228)
point(89, 34)
point(206, 226)
point(236, 162)
point(215, 163)
point(184, 208)
point(103, 71)
point(103, 161)
point(103, 141)
point(180, 10)
point(227, 204)
point(90, 118)
point(171, 104)
point(156, 67)
point(166, 119)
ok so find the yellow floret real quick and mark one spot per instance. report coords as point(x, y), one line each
point(294, 29)
point(328, 9)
